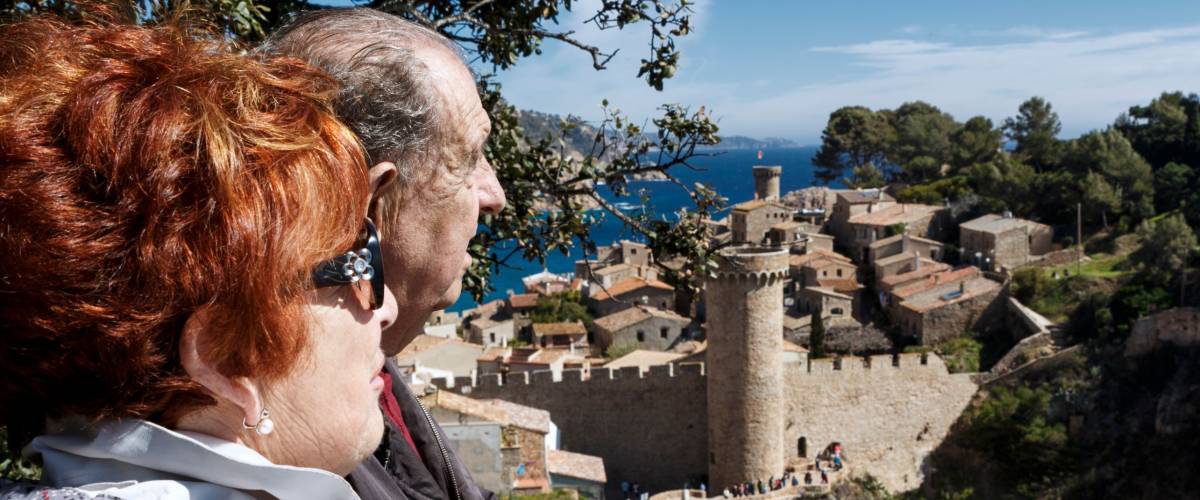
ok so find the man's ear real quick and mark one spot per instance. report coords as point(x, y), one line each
point(196, 360)
point(380, 176)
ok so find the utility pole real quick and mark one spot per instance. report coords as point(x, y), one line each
point(1079, 238)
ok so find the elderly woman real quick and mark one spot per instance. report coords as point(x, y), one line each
point(191, 295)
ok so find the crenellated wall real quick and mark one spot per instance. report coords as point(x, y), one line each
point(888, 413)
point(652, 427)
point(649, 428)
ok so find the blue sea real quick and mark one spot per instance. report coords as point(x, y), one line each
point(729, 172)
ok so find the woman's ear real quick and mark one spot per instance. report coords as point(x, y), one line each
point(380, 176)
point(199, 366)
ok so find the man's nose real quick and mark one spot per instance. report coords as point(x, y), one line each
point(491, 195)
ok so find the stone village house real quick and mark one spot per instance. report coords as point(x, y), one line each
point(966, 301)
point(626, 294)
point(649, 327)
point(750, 221)
point(1003, 242)
point(564, 335)
point(512, 448)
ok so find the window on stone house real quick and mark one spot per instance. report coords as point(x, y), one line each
point(664, 331)
point(510, 438)
point(837, 311)
point(493, 336)
point(839, 273)
point(641, 336)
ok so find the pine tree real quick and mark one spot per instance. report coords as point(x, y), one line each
point(816, 339)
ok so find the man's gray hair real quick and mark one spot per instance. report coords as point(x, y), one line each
point(387, 97)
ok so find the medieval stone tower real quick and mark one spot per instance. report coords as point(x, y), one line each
point(745, 377)
point(766, 182)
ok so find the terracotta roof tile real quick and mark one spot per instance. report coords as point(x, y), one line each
point(818, 258)
point(629, 285)
point(634, 315)
point(792, 346)
point(752, 205)
point(846, 285)
point(992, 223)
point(493, 353)
point(928, 268)
point(863, 195)
point(644, 359)
point(897, 237)
point(936, 279)
point(494, 410)
point(523, 300)
point(576, 465)
point(895, 214)
point(945, 294)
point(554, 329)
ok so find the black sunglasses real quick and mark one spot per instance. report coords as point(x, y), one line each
point(357, 268)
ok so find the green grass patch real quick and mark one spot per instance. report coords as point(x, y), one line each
point(1098, 266)
point(1057, 298)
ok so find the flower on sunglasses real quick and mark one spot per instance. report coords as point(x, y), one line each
point(358, 266)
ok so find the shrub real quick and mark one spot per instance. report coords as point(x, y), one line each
point(961, 354)
point(1029, 284)
point(617, 350)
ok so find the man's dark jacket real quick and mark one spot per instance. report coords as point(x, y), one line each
point(395, 471)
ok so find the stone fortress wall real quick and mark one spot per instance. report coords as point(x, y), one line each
point(889, 413)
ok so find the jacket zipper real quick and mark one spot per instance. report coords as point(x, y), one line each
point(442, 448)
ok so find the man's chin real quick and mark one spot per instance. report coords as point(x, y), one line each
point(450, 297)
point(397, 337)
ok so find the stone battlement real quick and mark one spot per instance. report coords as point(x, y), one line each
point(760, 278)
point(883, 364)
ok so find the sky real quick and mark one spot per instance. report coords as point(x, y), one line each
point(778, 68)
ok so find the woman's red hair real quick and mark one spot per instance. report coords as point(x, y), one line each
point(145, 173)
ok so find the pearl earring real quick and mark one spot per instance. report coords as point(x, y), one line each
point(264, 425)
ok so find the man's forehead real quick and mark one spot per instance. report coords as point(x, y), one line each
point(455, 86)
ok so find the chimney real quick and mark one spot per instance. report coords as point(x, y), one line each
point(962, 287)
point(904, 242)
point(916, 262)
point(870, 206)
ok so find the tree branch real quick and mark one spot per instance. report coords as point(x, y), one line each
point(629, 221)
point(599, 58)
point(461, 16)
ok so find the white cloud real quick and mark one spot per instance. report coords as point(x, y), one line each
point(884, 48)
point(1033, 32)
point(1089, 78)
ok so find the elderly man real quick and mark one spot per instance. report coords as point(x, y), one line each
point(414, 104)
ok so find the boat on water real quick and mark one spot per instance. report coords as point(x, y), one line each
point(624, 205)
